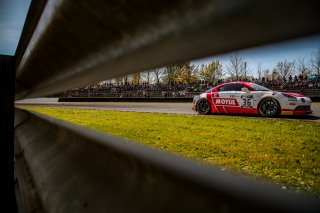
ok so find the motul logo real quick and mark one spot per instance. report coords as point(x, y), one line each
point(231, 102)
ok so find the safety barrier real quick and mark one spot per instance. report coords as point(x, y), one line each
point(77, 170)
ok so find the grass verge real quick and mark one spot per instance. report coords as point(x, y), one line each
point(284, 151)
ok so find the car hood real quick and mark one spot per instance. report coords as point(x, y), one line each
point(293, 94)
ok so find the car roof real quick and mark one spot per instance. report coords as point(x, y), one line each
point(233, 82)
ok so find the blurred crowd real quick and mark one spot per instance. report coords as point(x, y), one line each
point(146, 90)
point(292, 82)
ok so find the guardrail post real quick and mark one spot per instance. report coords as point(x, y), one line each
point(7, 71)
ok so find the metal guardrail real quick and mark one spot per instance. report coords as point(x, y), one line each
point(77, 44)
point(77, 170)
point(65, 168)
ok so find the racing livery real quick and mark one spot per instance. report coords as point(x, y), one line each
point(249, 98)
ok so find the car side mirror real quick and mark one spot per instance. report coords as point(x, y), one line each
point(245, 89)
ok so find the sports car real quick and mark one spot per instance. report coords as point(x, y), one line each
point(250, 98)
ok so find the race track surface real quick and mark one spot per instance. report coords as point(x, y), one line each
point(175, 108)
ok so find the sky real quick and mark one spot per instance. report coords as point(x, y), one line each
point(269, 55)
point(13, 14)
point(12, 17)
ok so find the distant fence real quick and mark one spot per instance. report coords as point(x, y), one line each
point(115, 99)
point(129, 94)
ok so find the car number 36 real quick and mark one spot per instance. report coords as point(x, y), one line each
point(247, 103)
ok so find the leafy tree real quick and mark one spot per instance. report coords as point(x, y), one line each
point(172, 72)
point(211, 72)
point(121, 80)
point(186, 73)
point(136, 78)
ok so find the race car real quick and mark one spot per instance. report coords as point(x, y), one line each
point(250, 98)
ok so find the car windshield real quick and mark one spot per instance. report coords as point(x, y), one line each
point(258, 87)
point(209, 90)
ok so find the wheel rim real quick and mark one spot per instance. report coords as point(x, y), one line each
point(203, 107)
point(269, 107)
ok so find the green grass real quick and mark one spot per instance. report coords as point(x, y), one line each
point(284, 151)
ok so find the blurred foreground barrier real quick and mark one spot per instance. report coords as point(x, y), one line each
point(73, 169)
point(77, 44)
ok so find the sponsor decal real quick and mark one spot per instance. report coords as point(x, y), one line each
point(291, 99)
point(225, 102)
point(246, 96)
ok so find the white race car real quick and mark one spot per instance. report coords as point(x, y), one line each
point(249, 98)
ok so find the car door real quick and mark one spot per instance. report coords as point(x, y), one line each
point(247, 101)
point(233, 99)
point(228, 100)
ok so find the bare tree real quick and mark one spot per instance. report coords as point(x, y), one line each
point(158, 72)
point(266, 74)
point(285, 68)
point(275, 75)
point(315, 61)
point(259, 71)
point(246, 70)
point(237, 67)
point(147, 76)
point(302, 67)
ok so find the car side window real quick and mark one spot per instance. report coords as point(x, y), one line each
point(231, 87)
point(238, 87)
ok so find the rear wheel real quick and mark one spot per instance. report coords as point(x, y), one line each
point(269, 107)
point(203, 106)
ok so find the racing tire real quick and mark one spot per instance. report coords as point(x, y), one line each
point(203, 106)
point(269, 107)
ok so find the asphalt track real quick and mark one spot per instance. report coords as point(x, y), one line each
point(171, 108)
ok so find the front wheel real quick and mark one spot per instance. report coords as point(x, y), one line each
point(269, 107)
point(203, 106)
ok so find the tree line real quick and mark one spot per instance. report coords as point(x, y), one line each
point(213, 72)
